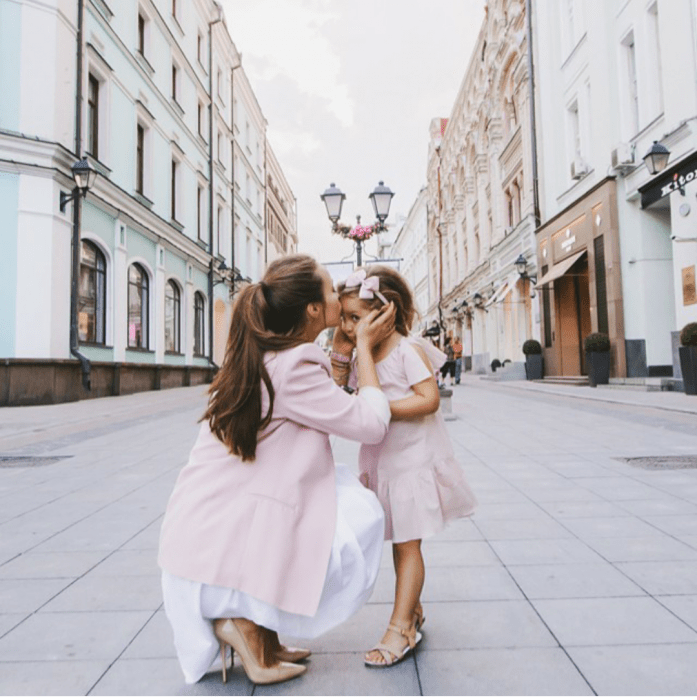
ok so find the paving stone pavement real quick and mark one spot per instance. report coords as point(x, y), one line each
point(576, 576)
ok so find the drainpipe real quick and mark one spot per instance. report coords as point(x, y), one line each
point(232, 169)
point(266, 204)
point(533, 121)
point(211, 202)
point(77, 208)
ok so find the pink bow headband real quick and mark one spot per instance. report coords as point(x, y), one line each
point(369, 288)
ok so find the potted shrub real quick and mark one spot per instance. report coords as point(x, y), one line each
point(597, 347)
point(534, 362)
point(688, 358)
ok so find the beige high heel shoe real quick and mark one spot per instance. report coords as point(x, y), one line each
point(228, 634)
point(291, 654)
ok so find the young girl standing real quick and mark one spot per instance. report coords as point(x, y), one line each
point(413, 470)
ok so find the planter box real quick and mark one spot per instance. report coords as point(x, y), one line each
point(534, 367)
point(688, 366)
point(598, 364)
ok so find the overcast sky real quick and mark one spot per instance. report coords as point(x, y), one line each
point(348, 89)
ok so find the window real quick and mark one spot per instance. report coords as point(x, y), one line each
point(199, 213)
point(199, 49)
point(574, 131)
point(138, 301)
point(546, 309)
point(200, 119)
point(175, 81)
point(220, 147)
point(174, 9)
point(220, 82)
point(141, 34)
point(632, 88)
point(655, 62)
point(93, 116)
point(219, 230)
point(92, 295)
point(199, 323)
point(140, 160)
point(172, 317)
point(173, 193)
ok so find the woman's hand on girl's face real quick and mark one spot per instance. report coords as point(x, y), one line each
point(342, 343)
point(376, 326)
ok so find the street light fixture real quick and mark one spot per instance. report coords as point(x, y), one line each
point(656, 158)
point(381, 197)
point(333, 199)
point(84, 175)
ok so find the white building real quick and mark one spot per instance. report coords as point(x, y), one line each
point(481, 204)
point(614, 77)
point(410, 247)
point(281, 214)
point(152, 309)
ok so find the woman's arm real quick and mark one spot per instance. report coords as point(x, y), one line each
point(426, 398)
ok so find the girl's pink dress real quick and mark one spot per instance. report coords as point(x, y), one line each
point(413, 471)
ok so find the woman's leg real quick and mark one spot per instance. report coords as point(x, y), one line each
point(410, 573)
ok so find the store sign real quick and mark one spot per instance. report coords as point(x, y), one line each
point(671, 180)
point(689, 292)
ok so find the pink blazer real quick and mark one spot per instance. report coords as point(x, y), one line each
point(266, 527)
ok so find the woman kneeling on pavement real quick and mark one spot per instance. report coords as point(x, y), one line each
point(263, 534)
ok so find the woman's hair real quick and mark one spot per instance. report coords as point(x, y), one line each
point(395, 289)
point(268, 315)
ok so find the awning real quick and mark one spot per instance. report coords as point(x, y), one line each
point(498, 294)
point(560, 269)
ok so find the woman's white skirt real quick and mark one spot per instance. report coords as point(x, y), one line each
point(353, 567)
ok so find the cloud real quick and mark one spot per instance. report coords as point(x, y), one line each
point(286, 38)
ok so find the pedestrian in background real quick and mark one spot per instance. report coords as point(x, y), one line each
point(263, 534)
point(457, 349)
point(448, 368)
point(413, 470)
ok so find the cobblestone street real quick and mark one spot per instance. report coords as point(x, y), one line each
point(576, 576)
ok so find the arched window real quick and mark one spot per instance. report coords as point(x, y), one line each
point(199, 324)
point(172, 317)
point(92, 295)
point(138, 304)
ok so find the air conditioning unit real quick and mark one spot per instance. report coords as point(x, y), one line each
point(579, 169)
point(623, 156)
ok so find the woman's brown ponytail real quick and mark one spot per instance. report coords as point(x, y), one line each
point(269, 315)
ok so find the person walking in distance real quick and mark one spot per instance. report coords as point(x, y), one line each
point(412, 470)
point(263, 534)
point(457, 350)
point(448, 367)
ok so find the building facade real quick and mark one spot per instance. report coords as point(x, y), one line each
point(158, 89)
point(410, 248)
point(614, 248)
point(281, 215)
point(481, 208)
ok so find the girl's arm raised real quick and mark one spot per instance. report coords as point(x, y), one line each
point(426, 398)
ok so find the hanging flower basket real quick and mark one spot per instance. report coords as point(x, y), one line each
point(359, 232)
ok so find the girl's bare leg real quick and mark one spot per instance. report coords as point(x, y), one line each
point(410, 572)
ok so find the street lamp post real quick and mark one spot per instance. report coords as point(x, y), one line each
point(381, 197)
point(84, 175)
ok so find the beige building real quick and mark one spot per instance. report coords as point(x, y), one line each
point(281, 215)
point(481, 204)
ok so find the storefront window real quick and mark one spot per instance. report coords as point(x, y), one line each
point(138, 299)
point(92, 296)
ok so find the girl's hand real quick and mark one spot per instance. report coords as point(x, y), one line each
point(342, 344)
point(376, 326)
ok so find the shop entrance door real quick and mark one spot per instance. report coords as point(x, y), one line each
point(574, 318)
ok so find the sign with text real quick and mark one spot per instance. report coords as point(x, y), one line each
point(672, 180)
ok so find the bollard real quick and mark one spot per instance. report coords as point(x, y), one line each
point(446, 403)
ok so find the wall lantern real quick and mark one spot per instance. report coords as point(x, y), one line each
point(478, 300)
point(84, 175)
point(656, 158)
